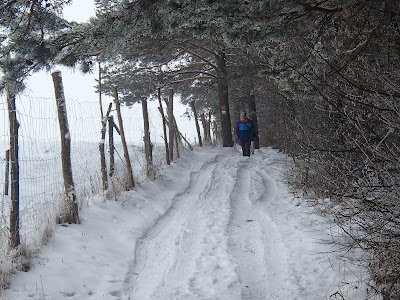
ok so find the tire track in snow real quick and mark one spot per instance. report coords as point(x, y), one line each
point(185, 254)
point(245, 239)
point(214, 276)
point(177, 203)
point(255, 242)
point(275, 250)
point(177, 283)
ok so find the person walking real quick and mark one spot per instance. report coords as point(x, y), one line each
point(245, 131)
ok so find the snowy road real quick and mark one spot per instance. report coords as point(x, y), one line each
point(216, 225)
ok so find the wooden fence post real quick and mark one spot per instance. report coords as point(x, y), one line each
point(71, 216)
point(14, 215)
point(101, 149)
point(6, 185)
point(111, 126)
point(131, 182)
point(147, 143)
point(160, 108)
point(171, 123)
point(197, 122)
point(7, 173)
point(103, 167)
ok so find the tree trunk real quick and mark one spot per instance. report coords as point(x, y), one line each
point(14, 216)
point(207, 139)
point(253, 116)
point(196, 122)
point(171, 124)
point(226, 132)
point(215, 133)
point(164, 127)
point(130, 183)
point(72, 206)
point(147, 142)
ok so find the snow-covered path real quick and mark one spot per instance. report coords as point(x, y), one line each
point(186, 255)
point(216, 225)
point(217, 240)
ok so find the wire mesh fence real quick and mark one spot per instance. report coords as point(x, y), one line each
point(41, 179)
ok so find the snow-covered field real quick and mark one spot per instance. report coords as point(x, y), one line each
point(214, 225)
point(41, 182)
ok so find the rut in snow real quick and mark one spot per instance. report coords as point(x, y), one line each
point(213, 242)
point(255, 243)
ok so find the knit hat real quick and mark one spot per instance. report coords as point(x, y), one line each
point(243, 113)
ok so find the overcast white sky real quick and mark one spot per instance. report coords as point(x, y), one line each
point(41, 85)
point(79, 10)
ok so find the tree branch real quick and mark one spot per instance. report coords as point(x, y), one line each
point(203, 48)
point(186, 80)
point(199, 57)
point(317, 7)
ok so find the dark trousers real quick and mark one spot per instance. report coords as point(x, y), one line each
point(246, 148)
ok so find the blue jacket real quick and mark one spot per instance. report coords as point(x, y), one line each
point(245, 131)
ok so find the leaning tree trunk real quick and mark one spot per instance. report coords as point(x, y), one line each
point(14, 216)
point(226, 133)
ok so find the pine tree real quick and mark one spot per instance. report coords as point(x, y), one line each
point(24, 47)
